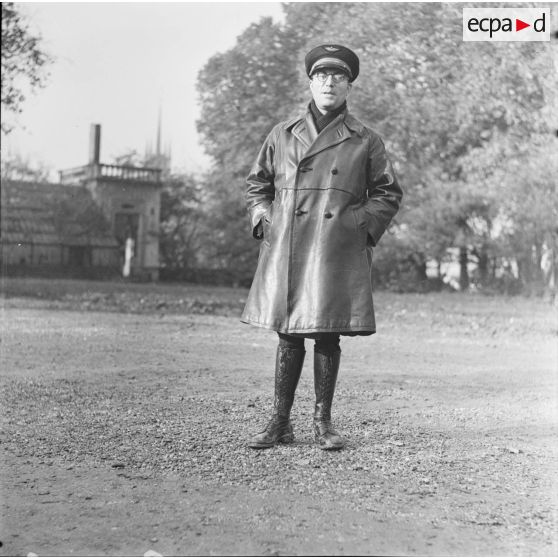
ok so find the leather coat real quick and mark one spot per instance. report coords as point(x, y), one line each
point(323, 201)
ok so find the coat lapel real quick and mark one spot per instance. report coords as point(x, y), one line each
point(333, 134)
point(304, 130)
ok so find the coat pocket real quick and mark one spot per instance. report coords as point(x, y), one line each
point(361, 217)
point(361, 224)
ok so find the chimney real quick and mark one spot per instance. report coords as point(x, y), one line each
point(95, 144)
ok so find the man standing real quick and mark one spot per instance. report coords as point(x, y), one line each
point(320, 195)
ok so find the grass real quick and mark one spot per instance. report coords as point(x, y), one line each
point(57, 289)
point(445, 311)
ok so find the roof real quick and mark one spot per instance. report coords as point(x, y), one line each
point(46, 213)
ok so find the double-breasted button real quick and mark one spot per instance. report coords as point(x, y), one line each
point(334, 171)
point(299, 212)
point(328, 214)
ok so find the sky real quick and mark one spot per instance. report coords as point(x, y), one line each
point(115, 65)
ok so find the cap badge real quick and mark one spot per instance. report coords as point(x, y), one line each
point(331, 48)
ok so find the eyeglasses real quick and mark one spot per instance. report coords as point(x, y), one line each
point(337, 77)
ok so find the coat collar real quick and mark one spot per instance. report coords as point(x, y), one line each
point(337, 131)
point(303, 129)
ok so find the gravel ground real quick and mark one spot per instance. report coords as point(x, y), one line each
point(125, 431)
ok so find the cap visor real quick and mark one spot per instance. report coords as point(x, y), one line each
point(331, 63)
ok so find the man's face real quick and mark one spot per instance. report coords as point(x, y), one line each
point(331, 93)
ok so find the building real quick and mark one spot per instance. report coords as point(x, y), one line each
point(82, 224)
point(49, 229)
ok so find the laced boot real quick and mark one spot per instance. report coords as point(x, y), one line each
point(326, 368)
point(288, 367)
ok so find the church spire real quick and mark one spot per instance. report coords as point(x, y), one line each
point(159, 126)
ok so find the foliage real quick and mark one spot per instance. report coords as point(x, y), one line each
point(23, 62)
point(130, 158)
point(239, 92)
point(22, 168)
point(78, 216)
point(526, 203)
point(464, 122)
point(182, 227)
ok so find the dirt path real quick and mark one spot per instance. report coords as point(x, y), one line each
point(124, 433)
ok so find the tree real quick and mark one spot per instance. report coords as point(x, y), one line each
point(23, 62)
point(520, 173)
point(243, 93)
point(455, 117)
point(183, 234)
point(21, 168)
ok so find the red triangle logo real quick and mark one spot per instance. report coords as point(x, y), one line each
point(519, 25)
